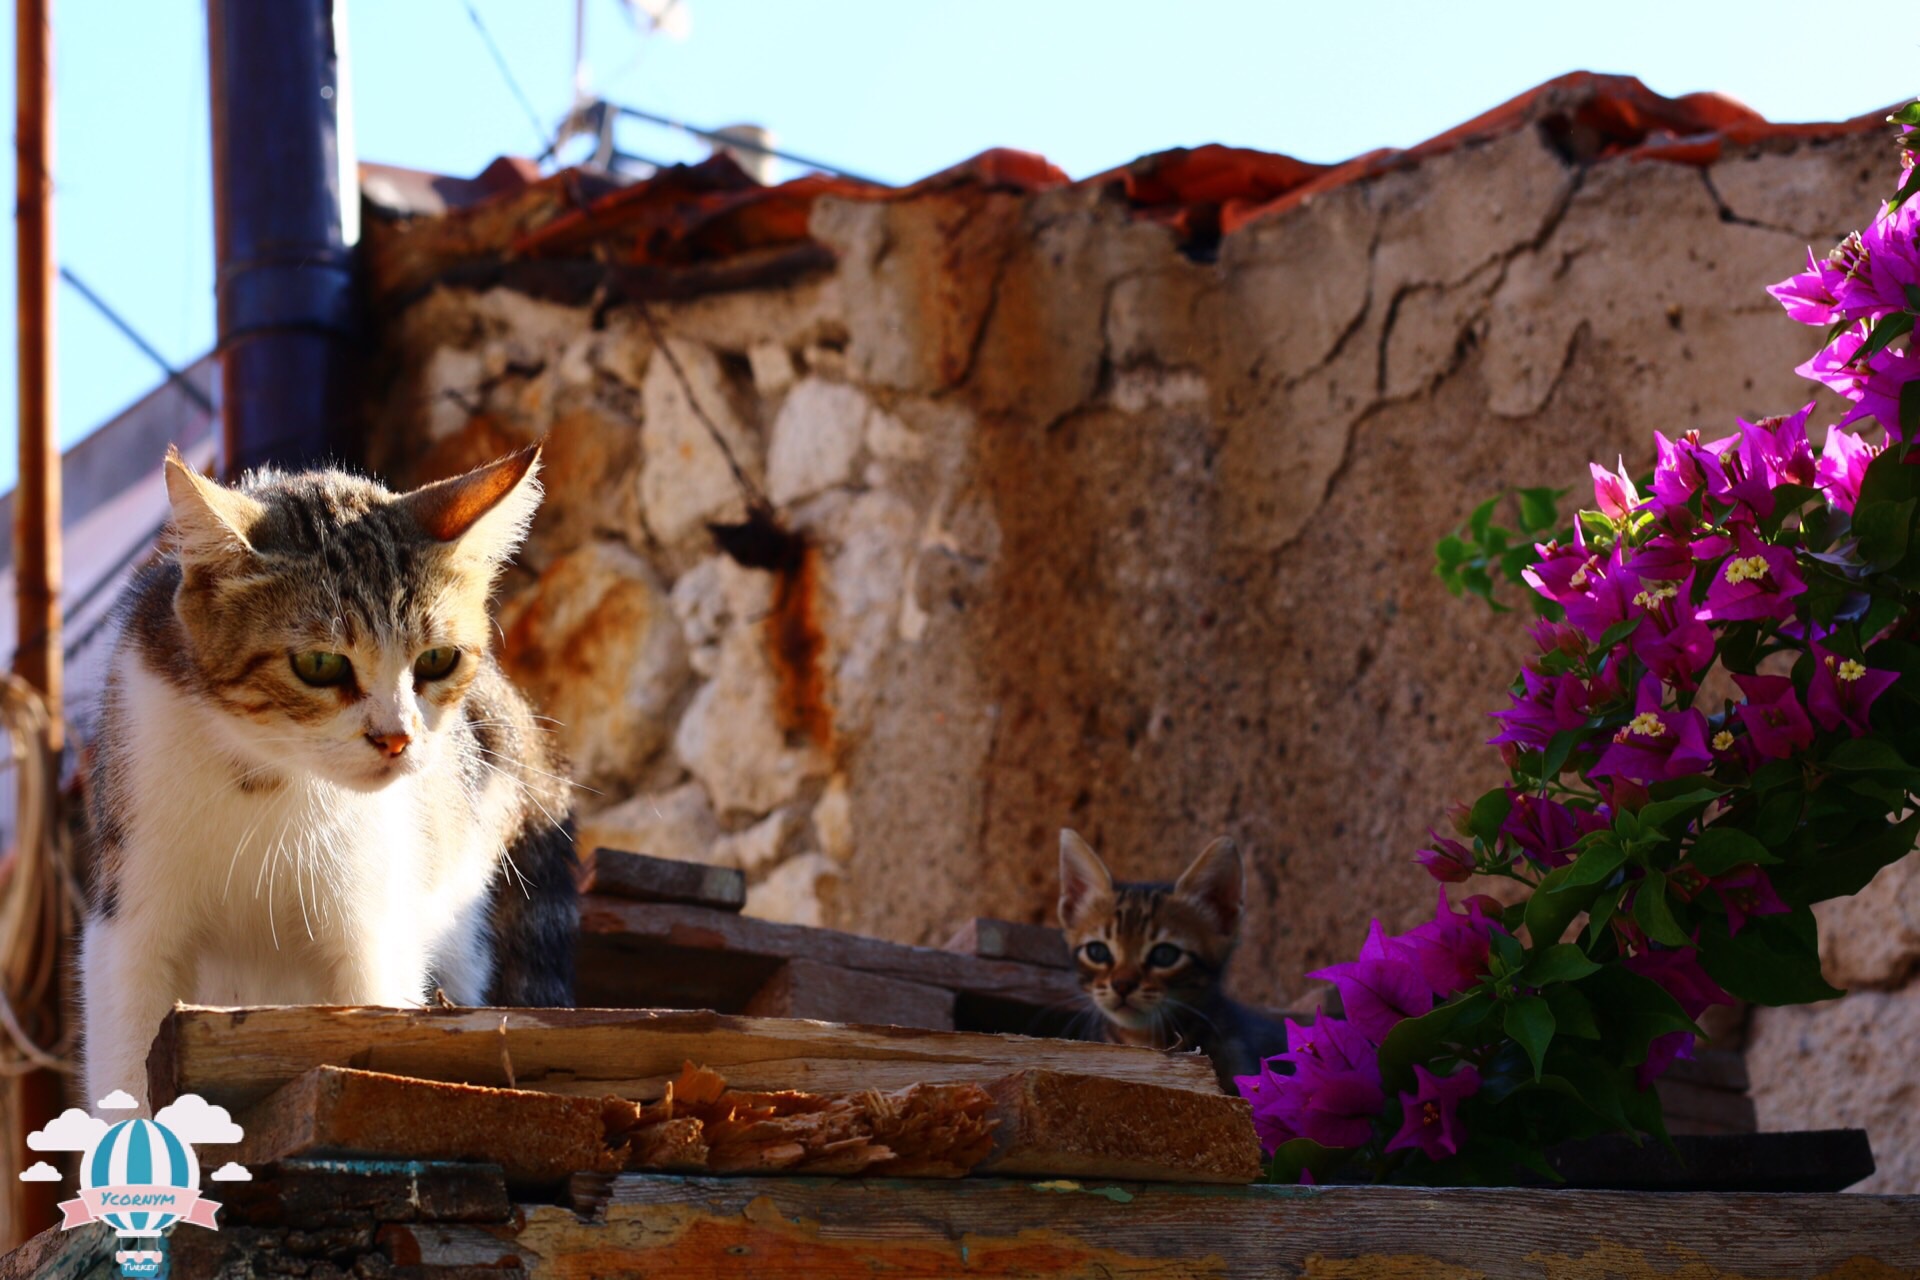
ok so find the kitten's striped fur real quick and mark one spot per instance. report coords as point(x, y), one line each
point(1152, 957)
point(259, 839)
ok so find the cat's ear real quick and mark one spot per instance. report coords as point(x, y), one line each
point(485, 513)
point(1216, 883)
point(210, 521)
point(1086, 887)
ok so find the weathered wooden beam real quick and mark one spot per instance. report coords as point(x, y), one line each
point(647, 879)
point(1810, 1161)
point(235, 1057)
point(828, 993)
point(668, 937)
point(1061, 1126)
point(310, 1192)
point(1009, 940)
point(535, 1138)
point(709, 1228)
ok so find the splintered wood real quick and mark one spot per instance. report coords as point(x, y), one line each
point(922, 1131)
point(823, 1099)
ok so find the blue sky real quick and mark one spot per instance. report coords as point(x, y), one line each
point(891, 88)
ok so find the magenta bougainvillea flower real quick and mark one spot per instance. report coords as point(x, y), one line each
point(1873, 384)
point(1757, 581)
point(1546, 706)
point(1843, 463)
point(1844, 690)
point(1450, 951)
point(1747, 892)
point(1430, 1119)
point(1656, 744)
point(1775, 720)
point(1613, 491)
point(1678, 971)
point(1546, 830)
point(1604, 598)
point(1671, 639)
point(1563, 569)
point(1448, 861)
point(1380, 988)
point(1808, 296)
point(1744, 470)
point(1330, 1091)
point(1680, 468)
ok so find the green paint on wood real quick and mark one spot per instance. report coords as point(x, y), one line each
point(1119, 1195)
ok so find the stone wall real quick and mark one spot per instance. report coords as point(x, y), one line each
point(1104, 529)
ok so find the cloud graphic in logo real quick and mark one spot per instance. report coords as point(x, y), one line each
point(119, 1100)
point(72, 1130)
point(193, 1119)
point(231, 1172)
point(42, 1172)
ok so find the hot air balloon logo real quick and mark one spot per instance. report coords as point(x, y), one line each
point(139, 1176)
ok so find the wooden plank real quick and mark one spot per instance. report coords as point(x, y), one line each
point(1009, 940)
point(535, 1138)
point(336, 1192)
point(235, 1057)
point(827, 993)
point(1817, 1160)
point(710, 1228)
point(692, 931)
point(1712, 1069)
point(647, 879)
point(1061, 1126)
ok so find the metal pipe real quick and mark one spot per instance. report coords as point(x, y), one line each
point(36, 1095)
point(282, 204)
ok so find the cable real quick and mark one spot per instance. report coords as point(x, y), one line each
point(744, 144)
point(506, 73)
point(120, 322)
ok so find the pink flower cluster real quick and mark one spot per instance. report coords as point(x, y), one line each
point(1327, 1086)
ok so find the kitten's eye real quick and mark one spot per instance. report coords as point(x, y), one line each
point(1163, 956)
point(322, 669)
point(1097, 953)
point(436, 664)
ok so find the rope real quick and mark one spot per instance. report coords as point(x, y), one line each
point(36, 893)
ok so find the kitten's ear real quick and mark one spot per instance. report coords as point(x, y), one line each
point(484, 512)
point(1086, 887)
point(1216, 883)
point(210, 521)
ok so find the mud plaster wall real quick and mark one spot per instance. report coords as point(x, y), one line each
point(1104, 536)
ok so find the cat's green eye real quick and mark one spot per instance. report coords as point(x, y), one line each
point(437, 663)
point(1097, 953)
point(322, 669)
point(1164, 956)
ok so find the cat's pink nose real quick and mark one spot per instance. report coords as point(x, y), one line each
point(1124, 987)
point(389, 745)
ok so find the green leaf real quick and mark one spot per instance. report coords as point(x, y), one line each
point(1893, 325)
point(1909, 114)
point(1865, 755)
point(1884, 528)
point(1602, 911)
point(1774, 960)
point(1906, 192)
point(1596, 862)
point(1559, 747)
point(1529, 1021)
point(1910, 393)
point(1620, 630)
point(1561, 962)
point(1656, 815)
point(1419, 1039)
point(1572, 1012)
point(1539, 509)
point(1450, 551)
point(1652, 913)
point(1554, 904)
point(1844, 869)
point(1632, 1010)
point(1482, 517)
point(1721, 849)
point(1488, 813)
point(1912, 290)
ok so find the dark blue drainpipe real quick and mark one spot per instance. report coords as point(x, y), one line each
point(284, 257)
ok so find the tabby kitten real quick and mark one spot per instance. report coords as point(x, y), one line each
point(312, 783)
point(1151, 957)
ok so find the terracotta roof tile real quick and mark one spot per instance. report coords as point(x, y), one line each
point(695, 215)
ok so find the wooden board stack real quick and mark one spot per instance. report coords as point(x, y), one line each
point(546, 1094)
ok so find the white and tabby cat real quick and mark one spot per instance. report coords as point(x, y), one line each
point(312, 783)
